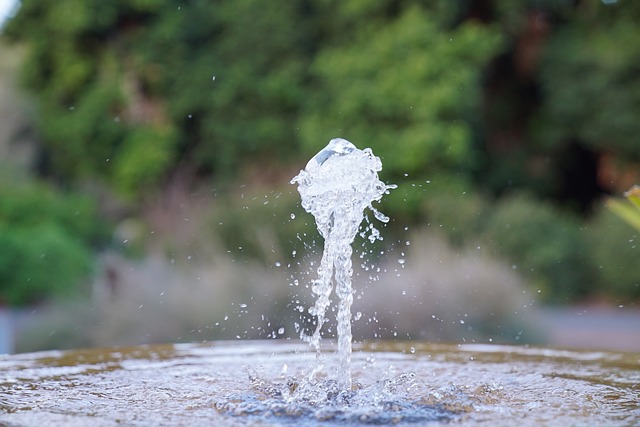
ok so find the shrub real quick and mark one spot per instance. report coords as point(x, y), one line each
point(45, 242)
point(615, 251)
point(457, 212)
point(39, 261)
point(544, 243)
point(265, 227)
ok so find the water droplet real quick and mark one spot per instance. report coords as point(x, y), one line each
point(281, 331)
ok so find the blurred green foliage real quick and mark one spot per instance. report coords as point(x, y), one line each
point(268, 227)
point(599, 55)
point(493, 116)
point(405, 89)
point(545, 244)
point(564, 257)
point(629, 212)
point(615, 248)
point(46, 242)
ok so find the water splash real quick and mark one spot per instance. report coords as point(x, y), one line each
point(336, 187)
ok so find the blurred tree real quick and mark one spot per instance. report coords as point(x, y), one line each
point(590, 83)
point(563, 95)
point(76, 66)
point(406, 88)
point(459, 95)
point(233, 75)
point(130, 91)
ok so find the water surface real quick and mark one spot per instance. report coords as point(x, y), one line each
point(259, 383)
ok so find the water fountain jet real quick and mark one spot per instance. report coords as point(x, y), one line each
point(336, 187)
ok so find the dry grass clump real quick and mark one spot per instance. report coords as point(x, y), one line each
point(440, 293)
point(156, 300)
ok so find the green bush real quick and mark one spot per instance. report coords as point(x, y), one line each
point(615, 249)
point(39, 261)
point(544, 244)
point(143, 159)
point(45, 242)
point(457, 211)
point(406, 90)
point(263, 227)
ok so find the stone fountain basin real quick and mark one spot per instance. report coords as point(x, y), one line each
point(214, 383)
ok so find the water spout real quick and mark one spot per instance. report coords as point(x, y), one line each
point(336, 187)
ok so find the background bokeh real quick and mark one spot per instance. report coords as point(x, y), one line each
point(146, 148)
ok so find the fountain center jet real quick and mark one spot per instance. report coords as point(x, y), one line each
point(337, 185)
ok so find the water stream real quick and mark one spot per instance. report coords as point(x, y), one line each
point(336, 187)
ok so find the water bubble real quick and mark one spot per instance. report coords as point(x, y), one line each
point(293, 216)
point(280, 331)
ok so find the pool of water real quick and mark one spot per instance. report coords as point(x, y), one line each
point(264, 383)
